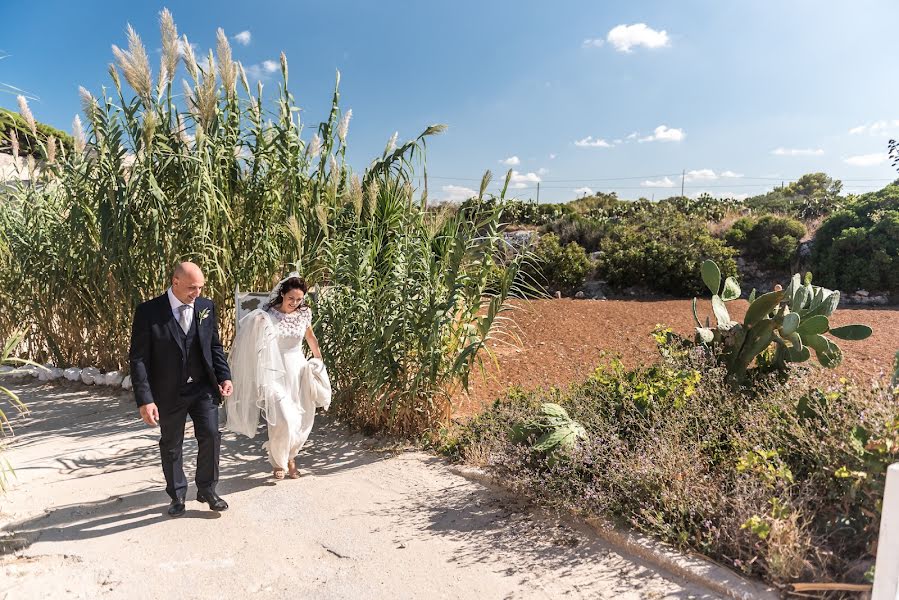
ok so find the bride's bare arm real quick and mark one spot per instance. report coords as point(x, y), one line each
point(313, 343)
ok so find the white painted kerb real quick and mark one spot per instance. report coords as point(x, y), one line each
point(886, 569)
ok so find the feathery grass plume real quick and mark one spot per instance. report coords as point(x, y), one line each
point(88, 103)
point(485, 181)
point(79, 142)
point(356, 195)
point(163, 80)
point(283, 58)
point(26, 114)
point(333, 169)
point(149, 127)
point(32, 166)
point(256, 110)
point(190, 100)
point(114, 74)
point(207, 92)
point(51, 149)
point(322, 215)
point(135, 65)
point(171, 52)
point(391, 143)
point(243, 78)
point(14, 148)
point(190, 59)
point(371, 196)
point(227, 68)
point(315, 146)
point(334, 177)
point(434, 130)
point(344, 126)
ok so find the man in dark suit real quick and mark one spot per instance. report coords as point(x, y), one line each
point(178, 368)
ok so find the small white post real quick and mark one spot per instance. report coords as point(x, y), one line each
point(886, 569)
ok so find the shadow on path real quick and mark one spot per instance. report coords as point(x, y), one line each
point(115, 440)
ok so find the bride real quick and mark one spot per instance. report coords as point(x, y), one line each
point(271, 374)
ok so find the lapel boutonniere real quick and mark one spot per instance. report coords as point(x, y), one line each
point(202, 316)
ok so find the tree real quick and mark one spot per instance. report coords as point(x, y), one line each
point(813, 185)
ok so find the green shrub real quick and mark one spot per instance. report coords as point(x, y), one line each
point(781, 481)
point(585, 232)
point(518, 212)
point(858, 247)
point(558, 267)
point(662, 252)
point(771, 241)
point(811, 196)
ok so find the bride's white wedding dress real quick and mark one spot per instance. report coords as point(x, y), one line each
point(271, 374)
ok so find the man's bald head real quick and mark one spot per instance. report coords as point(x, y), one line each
point(187, 282)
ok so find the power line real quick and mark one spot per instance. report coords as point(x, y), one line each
point(683, 174)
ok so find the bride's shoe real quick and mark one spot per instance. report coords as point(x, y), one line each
point(292, 470)
point(278, 473)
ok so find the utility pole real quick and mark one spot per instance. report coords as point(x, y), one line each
point(683, 176)
point(538, 192)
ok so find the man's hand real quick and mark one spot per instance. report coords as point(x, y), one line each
point(150, 414)
point(226, 388)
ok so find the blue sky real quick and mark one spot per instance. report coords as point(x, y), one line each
point(600, 96)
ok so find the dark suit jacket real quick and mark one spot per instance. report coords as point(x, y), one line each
point(156, 354)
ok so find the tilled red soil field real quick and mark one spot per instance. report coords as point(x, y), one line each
point(562, 341)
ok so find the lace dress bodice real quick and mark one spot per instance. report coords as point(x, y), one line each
point(291, 328)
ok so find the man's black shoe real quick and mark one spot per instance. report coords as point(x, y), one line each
point(215, 501)
point(176, 508)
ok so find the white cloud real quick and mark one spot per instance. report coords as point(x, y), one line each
point(512, 161)
point(456, 193)
point(665, 182)
point(593, 43)
point(797, 152)
point(867, 160)
point(590, 142)
point(552, 157)
point(243, 38)
point(626, 37)
point(731, 174)
point(541, 171)
point(519, 180)
point(633, 136)
point(663, 133)
point(700, 175)
point(583, 191)
point(263, 70)
point(883, 127)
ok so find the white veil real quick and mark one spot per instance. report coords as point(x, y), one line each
point(257, 369)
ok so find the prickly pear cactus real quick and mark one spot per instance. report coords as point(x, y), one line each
point(780, 327)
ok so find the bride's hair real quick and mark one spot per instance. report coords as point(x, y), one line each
point(291, 283)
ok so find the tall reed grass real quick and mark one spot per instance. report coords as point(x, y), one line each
point(214, 171)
